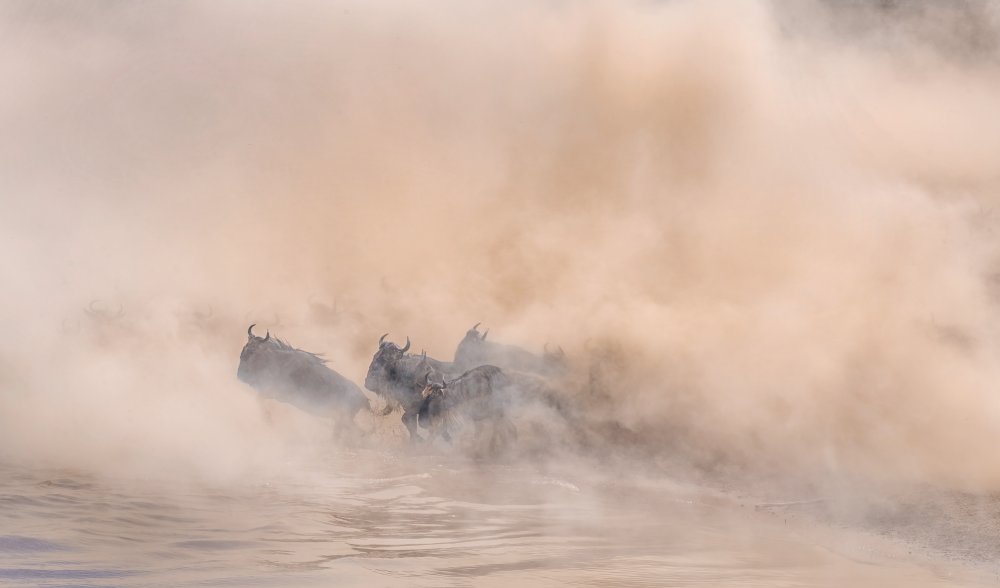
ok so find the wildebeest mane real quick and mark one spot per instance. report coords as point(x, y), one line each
point(284, 346)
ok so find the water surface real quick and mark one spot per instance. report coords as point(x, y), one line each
point(376, 519)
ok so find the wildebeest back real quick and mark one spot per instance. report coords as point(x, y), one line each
point(474, 350)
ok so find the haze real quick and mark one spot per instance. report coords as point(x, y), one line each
point(770, 228)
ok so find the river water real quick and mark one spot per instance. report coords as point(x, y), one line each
point(379, 518)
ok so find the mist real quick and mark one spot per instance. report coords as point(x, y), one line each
point(768, 231)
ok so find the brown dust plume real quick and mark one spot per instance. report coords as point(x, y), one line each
point(770, 231)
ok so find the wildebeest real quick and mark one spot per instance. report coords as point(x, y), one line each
point(480, 395)
point(475, 350)
point(279, 371)
point(399, 379)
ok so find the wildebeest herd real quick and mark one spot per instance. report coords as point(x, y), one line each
point(473, 395)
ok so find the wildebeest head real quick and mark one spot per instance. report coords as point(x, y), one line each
point(432, 400)
point(432, 379)
point(470, 348)
point(252, 358)
point(384, 368)
point(555, 360)
point(474, 336)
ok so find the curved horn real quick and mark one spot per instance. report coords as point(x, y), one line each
point(250, 330)
point(407, 343)
point(486, 332)
point(475, 327)
point(268, 335)
point(381, 339)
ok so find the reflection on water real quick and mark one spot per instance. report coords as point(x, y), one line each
point(420, 521)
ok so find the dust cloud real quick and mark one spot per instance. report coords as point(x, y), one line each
point(764, 233)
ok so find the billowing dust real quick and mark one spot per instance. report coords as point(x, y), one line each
point(765, 234)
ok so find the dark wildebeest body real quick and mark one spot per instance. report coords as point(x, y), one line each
point(479, 395)
point(279, 371)
point(474, 350)
point(399, 379)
